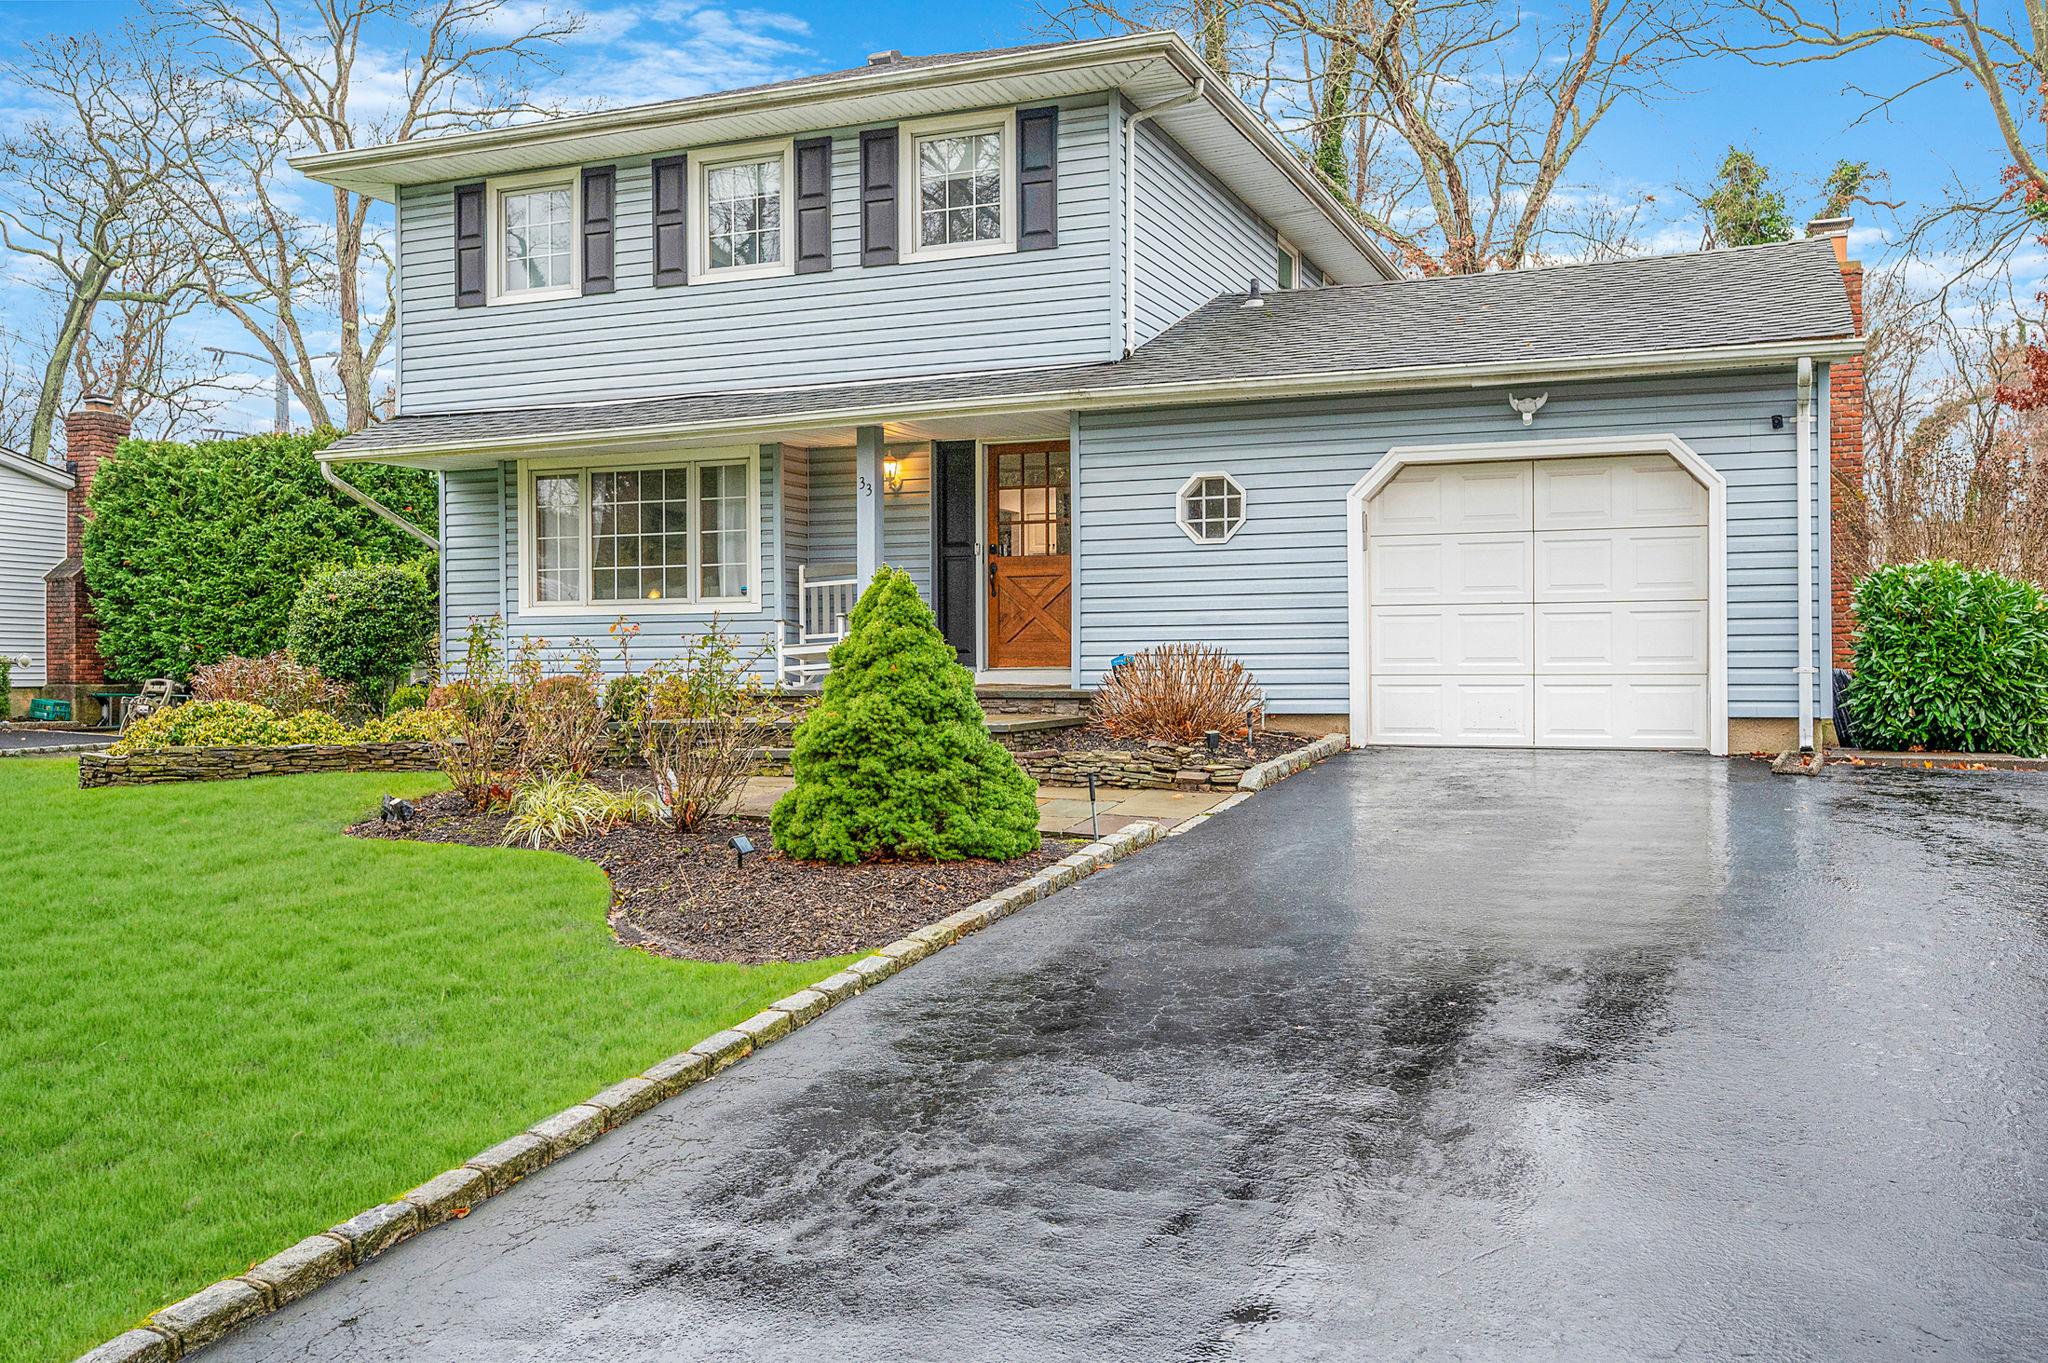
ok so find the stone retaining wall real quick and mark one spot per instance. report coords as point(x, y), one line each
point(1161, 766)
point(237, 763)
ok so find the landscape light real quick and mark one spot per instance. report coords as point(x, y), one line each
point(741, 844)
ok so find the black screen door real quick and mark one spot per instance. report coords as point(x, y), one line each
point(955, 534)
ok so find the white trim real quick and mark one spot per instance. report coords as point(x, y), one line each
point(1180, 507)
point(1339, 384)
point(1003, 123)
point(495, 292)
point(36, 469)
point(529, 602)
point(701, 164)
point(1401, 456)
point(620, 133)
point(1803, 483)
point(1288, 249)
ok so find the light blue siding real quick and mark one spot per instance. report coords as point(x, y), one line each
point(480, 551)
point(1275, 594)
point(1196, 240)
point(986, 312)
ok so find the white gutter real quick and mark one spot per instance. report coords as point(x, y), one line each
point(1252, 389)
point(334, 481)
point(1131, 202)
point(1804, 442)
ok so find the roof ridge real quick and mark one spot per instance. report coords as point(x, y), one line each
point(1520, 271)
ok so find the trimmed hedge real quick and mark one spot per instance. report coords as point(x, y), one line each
point(367, 626)
point(1949, 658)
point(195, 552)
point(237, 723)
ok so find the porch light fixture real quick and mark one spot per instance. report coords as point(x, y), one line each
point(740, 844)
point(892, 474)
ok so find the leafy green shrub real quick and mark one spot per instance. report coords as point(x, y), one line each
point(896, 759)
point(195, 552)
point(276, 681)
point(227, 723)
point(411, 696)
point(366, 625)
point(1948, 657)
point(409, 726)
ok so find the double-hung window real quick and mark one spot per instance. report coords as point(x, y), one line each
point(533, 238)
point(672, 534)
point(962, 177)
point(743, 229)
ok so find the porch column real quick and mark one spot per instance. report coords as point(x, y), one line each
point(867, 502)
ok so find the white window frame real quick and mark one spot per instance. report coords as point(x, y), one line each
point(701, 166)
point(1002, 122)
point(1180, 508)
point(1287, 248)
point(526, 534)
point(494, 234)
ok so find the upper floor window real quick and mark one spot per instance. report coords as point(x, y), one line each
point(1289, 266)
point(744, 232)
point(963, 176)
point(533, 221)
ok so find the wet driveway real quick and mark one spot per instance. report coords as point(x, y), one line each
point(1418, 1055)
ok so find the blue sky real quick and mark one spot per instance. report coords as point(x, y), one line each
point(1799, 120)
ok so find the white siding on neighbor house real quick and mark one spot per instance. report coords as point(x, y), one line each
point(985, 312)
point(1275, 594)
point(31, 543)
point(1196, 240)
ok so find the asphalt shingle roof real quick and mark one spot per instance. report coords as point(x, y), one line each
point(1755, 295)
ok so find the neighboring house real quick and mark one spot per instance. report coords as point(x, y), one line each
point(1064, 333)
point(32, 500)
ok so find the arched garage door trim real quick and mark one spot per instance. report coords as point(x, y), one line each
point(1400, 457)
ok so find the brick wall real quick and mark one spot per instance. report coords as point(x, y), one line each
point(91, 433)
point(1845, 462)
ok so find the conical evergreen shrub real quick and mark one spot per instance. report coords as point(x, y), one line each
point(896, 760)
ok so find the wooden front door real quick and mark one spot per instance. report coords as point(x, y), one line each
point(1030, 576)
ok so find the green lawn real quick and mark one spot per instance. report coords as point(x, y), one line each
point(227, 1026)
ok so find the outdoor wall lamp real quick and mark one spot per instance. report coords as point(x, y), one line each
point(892, 474)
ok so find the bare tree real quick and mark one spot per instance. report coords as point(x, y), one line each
point(298, 76)
point(18, 388)
point(1950, 470)
point(134, 356)
point(82, 190)
point(1449, 125)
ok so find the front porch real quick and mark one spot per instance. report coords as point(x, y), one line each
point(984, 527)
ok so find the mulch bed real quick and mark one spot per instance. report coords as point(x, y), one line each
point(682, 896)
point(1266, 745)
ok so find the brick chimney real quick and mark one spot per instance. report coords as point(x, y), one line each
point(91, 431)
point(1845, 432)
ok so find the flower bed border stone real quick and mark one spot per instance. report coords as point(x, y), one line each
point(239, 762)
point(174, 1331)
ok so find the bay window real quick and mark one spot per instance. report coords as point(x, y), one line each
point(672, 535)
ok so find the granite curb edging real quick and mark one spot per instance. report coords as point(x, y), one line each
point(1285, 765)
point(176, 1330)
point(56, 749)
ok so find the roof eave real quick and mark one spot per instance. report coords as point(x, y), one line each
point(1561, 369)
point(47, 473)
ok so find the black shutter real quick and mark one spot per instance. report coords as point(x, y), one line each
point(671, 221)
point(955, 539)
point(878, 196)
point(469, 246)
point(1038, 178)
point(599, 186)
point(813, 205)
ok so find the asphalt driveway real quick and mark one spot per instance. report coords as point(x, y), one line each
point(1418, 1055)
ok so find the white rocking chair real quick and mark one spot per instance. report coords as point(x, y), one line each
point(822, 606)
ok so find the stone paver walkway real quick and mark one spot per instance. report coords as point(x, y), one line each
point(1061, 809)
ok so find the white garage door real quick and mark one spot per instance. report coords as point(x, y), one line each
point(1554, 602)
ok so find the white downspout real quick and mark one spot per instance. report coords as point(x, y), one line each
point(1804, 442)
point(1131, 203)
point(327, 472)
